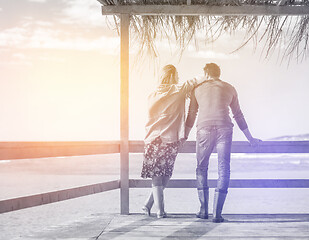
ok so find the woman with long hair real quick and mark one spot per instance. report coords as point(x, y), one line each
point(164, 133)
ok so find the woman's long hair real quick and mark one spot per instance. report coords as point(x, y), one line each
point(169, 75)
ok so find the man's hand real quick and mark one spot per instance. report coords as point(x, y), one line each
point(255, 141)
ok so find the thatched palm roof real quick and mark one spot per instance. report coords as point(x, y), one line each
point(205, 2)
point(273, 30)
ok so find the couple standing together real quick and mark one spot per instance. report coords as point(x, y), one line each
point(168, 128)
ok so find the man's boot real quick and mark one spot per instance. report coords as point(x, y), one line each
point(203, 195)
point(203, 192)
point(218, 205)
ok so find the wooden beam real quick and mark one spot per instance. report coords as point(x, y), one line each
point(22, 150)
point(124, 113)
point(234, 183)
point(61, 195)
point(197, 10)
point(242, 147)
point(56, 196)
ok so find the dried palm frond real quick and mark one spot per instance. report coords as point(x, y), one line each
point(276, 32)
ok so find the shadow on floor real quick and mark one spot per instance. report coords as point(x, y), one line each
point(204, 226)
point(116, 232)
point(187, 226)
point(266, 218)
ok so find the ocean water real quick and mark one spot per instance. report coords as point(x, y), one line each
point(243, 165)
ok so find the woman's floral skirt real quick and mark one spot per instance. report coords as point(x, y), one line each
point(159, 158)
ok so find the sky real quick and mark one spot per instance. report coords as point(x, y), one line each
point(59, 76)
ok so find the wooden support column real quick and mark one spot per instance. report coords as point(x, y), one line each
point(124, 113)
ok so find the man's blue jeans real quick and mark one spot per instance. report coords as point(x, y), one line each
point(207, 138)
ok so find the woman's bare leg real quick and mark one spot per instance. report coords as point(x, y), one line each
point(158, 197)
point(149, 201)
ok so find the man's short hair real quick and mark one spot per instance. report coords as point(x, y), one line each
point(212, 69)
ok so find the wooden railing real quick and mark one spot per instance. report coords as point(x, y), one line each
point(22, 150)
point(237, 147)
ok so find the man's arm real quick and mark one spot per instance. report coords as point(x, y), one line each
point(237, 113)
point(192, 112)
point(253, 141)
point(241, 122)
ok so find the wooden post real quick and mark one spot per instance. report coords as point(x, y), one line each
point(124, 113)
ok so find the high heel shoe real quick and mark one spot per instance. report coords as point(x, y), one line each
point(146, 210)
point(163, 215)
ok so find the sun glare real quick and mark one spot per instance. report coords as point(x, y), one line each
point(69, 96)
